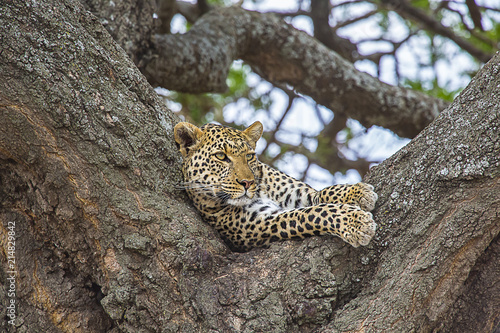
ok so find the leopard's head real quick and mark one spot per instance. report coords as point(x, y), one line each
point(219, 162)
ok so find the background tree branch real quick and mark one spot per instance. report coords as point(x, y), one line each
point(282, 54)
point(320, 14)
point(407, 11)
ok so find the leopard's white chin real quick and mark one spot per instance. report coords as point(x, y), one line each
point(241, 201)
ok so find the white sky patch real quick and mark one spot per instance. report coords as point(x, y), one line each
point(272, 5)
point(303, 23)
point(300, 115)
point(178, 24)
point(293, 165)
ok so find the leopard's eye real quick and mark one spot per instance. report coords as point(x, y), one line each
point(250, 156)
point(220, 156)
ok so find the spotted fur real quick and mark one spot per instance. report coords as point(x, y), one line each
point(251, 204)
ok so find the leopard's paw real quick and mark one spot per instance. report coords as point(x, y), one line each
point(360, 230)
point(362, 195)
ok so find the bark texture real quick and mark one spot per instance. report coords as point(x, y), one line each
point(104, 243)
point(199, 61)
point(131, 23)
point(87, 168)
point(440, 222)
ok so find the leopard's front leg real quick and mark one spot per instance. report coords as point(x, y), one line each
point(360, 194)
point(349, 222)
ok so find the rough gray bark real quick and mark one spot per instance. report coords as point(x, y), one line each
point(104, 243)
point(87, 167)
point(131, 23)
point(199, 61)
point(439, 211)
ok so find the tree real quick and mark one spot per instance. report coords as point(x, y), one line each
point(102, 241)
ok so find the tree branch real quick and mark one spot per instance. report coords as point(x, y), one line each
point(134, 30)
point(475, 14)
point(427, 282)
point(407, 11)
point(320, 13)
point(199, 61)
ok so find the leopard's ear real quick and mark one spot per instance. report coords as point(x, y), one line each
point(254, 132)
point(186, 135)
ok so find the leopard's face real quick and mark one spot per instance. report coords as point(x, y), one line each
point(219, 163)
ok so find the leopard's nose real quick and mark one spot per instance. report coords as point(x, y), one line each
point(246, 183)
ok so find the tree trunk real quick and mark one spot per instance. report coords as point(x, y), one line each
point(101, 241)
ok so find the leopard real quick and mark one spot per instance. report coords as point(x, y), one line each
point(251, 204)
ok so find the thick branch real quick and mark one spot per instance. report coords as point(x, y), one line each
point(442, 191)
point(131, 23)
point(200, 60)
point(87, 168)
